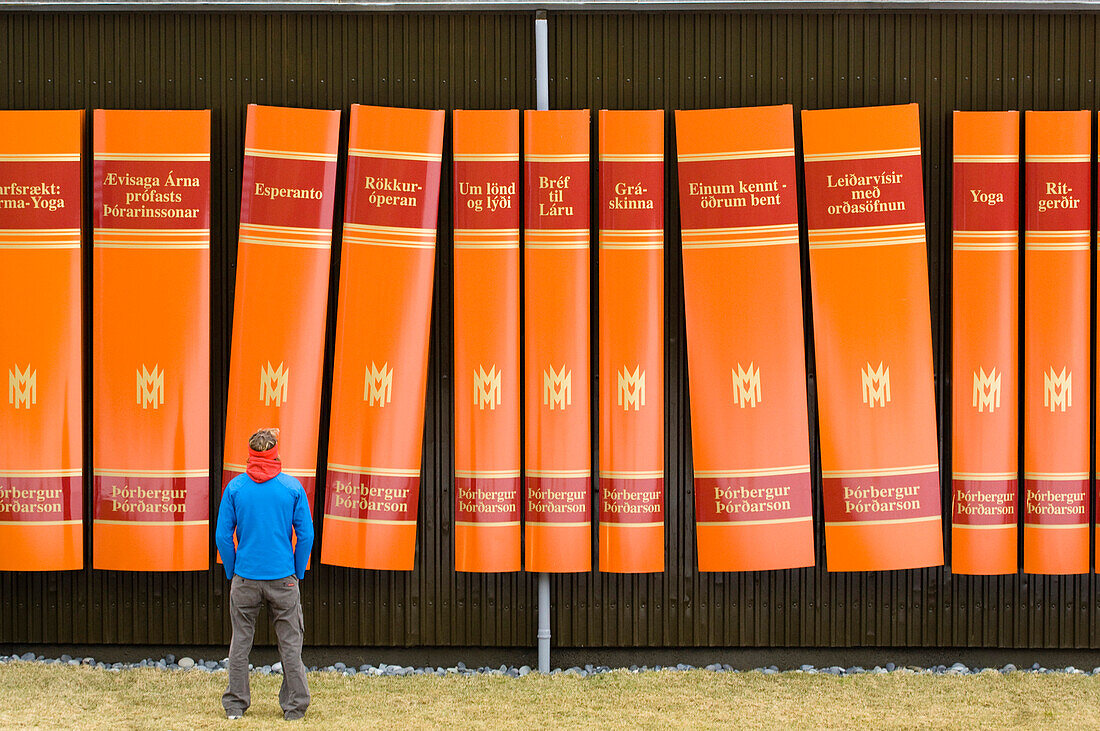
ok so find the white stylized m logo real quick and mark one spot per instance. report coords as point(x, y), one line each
point(746, 386)
point(23, 387)
point(150, 387)
point(876, 385)
point(557, 388)
point(987, 390)
point(631, 388)
point(274, 383)
point(378, 386)
point(487, 388)
point(1057, 389)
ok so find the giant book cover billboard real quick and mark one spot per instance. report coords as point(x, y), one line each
point(487, 374)
point(41, 441)
point(151, 340)
point(283, 252)
point(872, 338)
point(379, 382)
point(557, 391)
point(985, 350)
point(631, 344)
point(1057, 302)
point(746, 345)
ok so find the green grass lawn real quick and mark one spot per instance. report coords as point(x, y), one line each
point(33, 695)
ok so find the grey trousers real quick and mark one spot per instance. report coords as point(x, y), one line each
point(284, 604)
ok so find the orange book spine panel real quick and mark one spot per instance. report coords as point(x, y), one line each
point(746, 352)
point(631, 276)
point(283, 253)
point(487, 345)
point(985, 243)
point(558, 476)
point(41, 485)
point(1057, 409)
point(151, 349)
point(872, 326)
point(380, 377)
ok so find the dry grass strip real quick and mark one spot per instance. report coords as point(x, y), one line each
point(33, 695)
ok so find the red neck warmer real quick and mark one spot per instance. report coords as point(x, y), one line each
point(262, 466)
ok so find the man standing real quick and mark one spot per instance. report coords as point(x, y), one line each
point(268, 510)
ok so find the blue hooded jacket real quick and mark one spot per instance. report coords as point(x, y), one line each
point(267, 518)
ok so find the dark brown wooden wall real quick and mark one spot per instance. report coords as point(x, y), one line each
point(223, 61)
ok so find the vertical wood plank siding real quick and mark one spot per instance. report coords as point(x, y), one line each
point(223, 61)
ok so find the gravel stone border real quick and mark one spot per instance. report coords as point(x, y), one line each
point(170, 662)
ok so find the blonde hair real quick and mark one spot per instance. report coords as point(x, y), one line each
point(263, 440)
